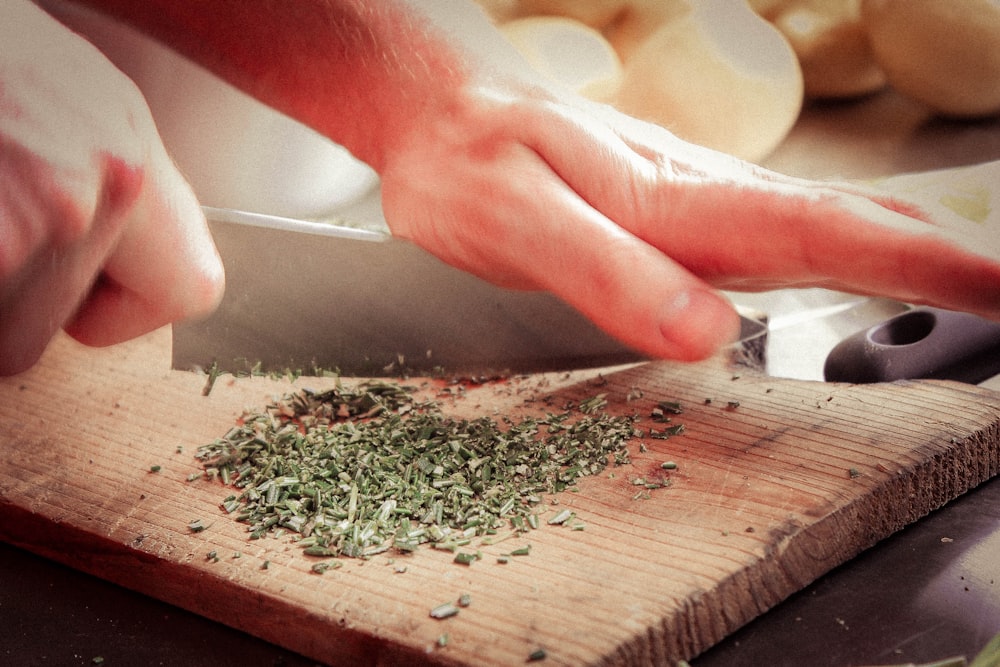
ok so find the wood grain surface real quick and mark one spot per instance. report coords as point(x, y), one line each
point(769, 494)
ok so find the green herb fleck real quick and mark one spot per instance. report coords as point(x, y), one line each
point(560, 518)
point(466, 558)
point(537, 655)
point(671, 407)
point(320, 568)
point(213, 374)
point(592, 405)
point(442, 611)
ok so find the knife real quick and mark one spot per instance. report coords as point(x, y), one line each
point(920, 343)
point(308, 296)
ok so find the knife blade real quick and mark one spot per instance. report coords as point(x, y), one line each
point(306, 296)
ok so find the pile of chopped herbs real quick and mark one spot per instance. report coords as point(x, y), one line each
point(357, 471)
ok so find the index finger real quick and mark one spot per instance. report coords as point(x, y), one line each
point(741, 227)
point(164, 267)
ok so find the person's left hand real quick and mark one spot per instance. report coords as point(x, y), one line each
point(637, 229)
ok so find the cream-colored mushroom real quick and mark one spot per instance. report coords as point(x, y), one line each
point(832, 47)
point(718, 75)
point(568, 52)
point(944, 53)
point(625, 23)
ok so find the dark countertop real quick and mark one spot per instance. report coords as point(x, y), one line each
point(930, 592)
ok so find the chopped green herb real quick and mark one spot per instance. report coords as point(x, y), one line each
point(560, 518)
point(320, 568)
point(213, 374)
point(672, 407)
point(196, 526)
point(356, 471)
point(464, 600)
point(466, 558)
point(668, 465)
point(536, 655)
point(317, 550)
point(446, 610)
point(592, 405)
point(154, 468)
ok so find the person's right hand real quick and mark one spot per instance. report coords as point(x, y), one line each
point(99, 232)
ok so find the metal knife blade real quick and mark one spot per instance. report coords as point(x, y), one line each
point(305, 295)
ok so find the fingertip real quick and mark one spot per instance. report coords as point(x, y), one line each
point(16, 360)
point(697, 323)
point(215, 282)
point(204, 282)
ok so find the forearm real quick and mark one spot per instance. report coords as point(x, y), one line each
point(363, 72)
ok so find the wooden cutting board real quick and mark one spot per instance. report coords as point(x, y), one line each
point(769, 494)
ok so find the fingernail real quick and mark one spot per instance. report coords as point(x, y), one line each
point(697, 323)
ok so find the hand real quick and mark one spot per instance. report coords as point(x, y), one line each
point(493, 171)
point(635, 228)
point(99, 233)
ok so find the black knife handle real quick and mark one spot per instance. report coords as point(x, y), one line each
point(920, 343)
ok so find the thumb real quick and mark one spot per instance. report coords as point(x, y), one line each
point(164, 267)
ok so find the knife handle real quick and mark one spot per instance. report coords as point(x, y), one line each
point(920, 343)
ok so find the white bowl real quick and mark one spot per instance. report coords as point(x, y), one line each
point(234, 150)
